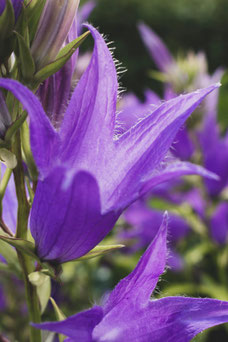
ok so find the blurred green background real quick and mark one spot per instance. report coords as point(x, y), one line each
point(198, 25)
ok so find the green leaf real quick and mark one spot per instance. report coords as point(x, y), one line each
point(15, 126)
point(100, 250)
point(59, 316)
point(25, 60)
point(23, 246)
point(61, 59)
point(25, 140)
point(43, 285)
point(7, 21)
point(223, 102)
point(21, 26)
point(58, 313)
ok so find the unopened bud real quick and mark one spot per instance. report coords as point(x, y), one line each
point(54, 25)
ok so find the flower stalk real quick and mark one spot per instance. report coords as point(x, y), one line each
point(21, 232)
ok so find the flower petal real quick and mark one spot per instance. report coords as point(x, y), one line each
point(138, 285)
point(144, 146)
point(171, 319)
point(157, 49)
point(79, 326)
point(90, 117)
point(42, 135)
point(66, 219)
point(9, 204)
point(177, 169)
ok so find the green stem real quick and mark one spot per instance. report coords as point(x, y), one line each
point(3, 185)
point(31, 297)
point(22, 226)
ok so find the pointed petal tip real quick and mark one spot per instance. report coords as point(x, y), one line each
point(163, 229)
point(165, 220)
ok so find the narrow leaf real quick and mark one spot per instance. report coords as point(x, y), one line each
point(58, 313)
point(26, 62)
point(61, 59)
point(59, 316)
point(7, 21)
point(15, 126)
point(23, 246)
point(100, 250)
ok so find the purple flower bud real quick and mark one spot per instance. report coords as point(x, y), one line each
point(54, 25)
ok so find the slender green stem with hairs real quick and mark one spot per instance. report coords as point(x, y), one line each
point(22, 226)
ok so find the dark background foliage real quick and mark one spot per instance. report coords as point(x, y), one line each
point(198, 25)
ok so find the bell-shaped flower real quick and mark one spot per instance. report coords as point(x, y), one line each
point(88, 174)
point(129, 311)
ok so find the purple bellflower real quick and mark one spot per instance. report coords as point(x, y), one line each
point(129, 311)
point(87, 174)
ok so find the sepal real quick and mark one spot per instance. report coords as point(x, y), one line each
point(63, 56)
point(25, 60)
point(22, 245)
point(59, 316)
point(99, 251)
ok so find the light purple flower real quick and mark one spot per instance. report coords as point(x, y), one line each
point(88, 176)
point(129, 311)
point(157, 49)
point(9, 204)
point(219, 223)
